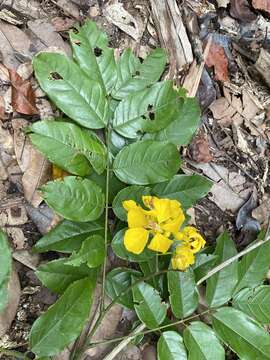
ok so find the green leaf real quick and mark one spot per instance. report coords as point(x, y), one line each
point(117, 281)
point(56, 275)
point(204, 262)
point(147, 162)
point(148, 305)
point(148, 110)
point(171, 347)
point(63, 321)
point(187, 189)
point(69, 146)
point(79, 97)
point(75, 198)
point(242, 334)
point(5, 269)
point(181, 130)
point(90, 50)
point(134, 192)
point(219, 287)
point(202, 342)
point(184, 297)
point(120, 250)
point(134, 76)
point(115, 184)
point(92, 252)
point(255, 303)
point(68, 236)
point(253, 267)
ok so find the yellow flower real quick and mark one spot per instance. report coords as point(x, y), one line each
point(182, 258)
point(163, 218)
point(191, 237)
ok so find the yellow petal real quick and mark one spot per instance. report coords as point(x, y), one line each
point(183, 258)
point(174, 225)
point(148, 201)
point(136, 218)
point(176, 209)
point(160, 243)
point(196, 243)
point(135, 240)
point(162, 207)
point(129, 204)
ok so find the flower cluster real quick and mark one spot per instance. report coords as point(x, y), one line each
point(161, 223)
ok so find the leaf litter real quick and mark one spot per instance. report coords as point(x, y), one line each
point(231, 147)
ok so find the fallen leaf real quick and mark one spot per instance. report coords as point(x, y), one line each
point(108, 326)
point(43, 217)
point(69, 8)
point(262, 65)
point(240, 10)
point(116, 14)
point(62, 24)
point(22, 145)
point(261, 5)
point(37, 174)
point(45, 36)
point(26, 258)
point(261, 213)
point(217, 58)
point(199, 149)
point(22, 97)
point(14, 291)
point(228, 191)
point(223, 3)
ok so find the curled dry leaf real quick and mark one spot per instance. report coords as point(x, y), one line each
point(217, 58)
point(37, 173)
point(23, 97)
point(240, 10)
point(261, 5)
point(199, 149)
point(14, 291)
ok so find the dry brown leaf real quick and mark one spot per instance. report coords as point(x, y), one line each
point(26, 258)
point(217, 58)
point(22, 146)
point(116, 14)
point(240, 9)
point(37, 173)
point(23, 97)
point(262, 65)
point(228, 191)
point(14, 291)
point(62, 24)
point(223, 3)
point(261, 213)
point(199, 149)
point(261, 5)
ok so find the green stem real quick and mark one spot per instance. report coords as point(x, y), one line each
point(13, 353)
point(102, 306)
point(135, 334)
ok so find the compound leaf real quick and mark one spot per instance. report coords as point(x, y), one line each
point(171, 346)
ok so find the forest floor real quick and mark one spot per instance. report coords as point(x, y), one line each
point(231, 146)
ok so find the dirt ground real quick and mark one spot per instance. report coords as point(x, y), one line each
point(231, 147)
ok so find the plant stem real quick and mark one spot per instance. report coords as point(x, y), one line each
point(102, 302)
point(138, 333)
point(13, 353)
point(231, 260)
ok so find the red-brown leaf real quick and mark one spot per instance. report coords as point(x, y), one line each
point(261, 5)
point(240, 10)
point(217, 58)
point(23, 97)
point(199, 149)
